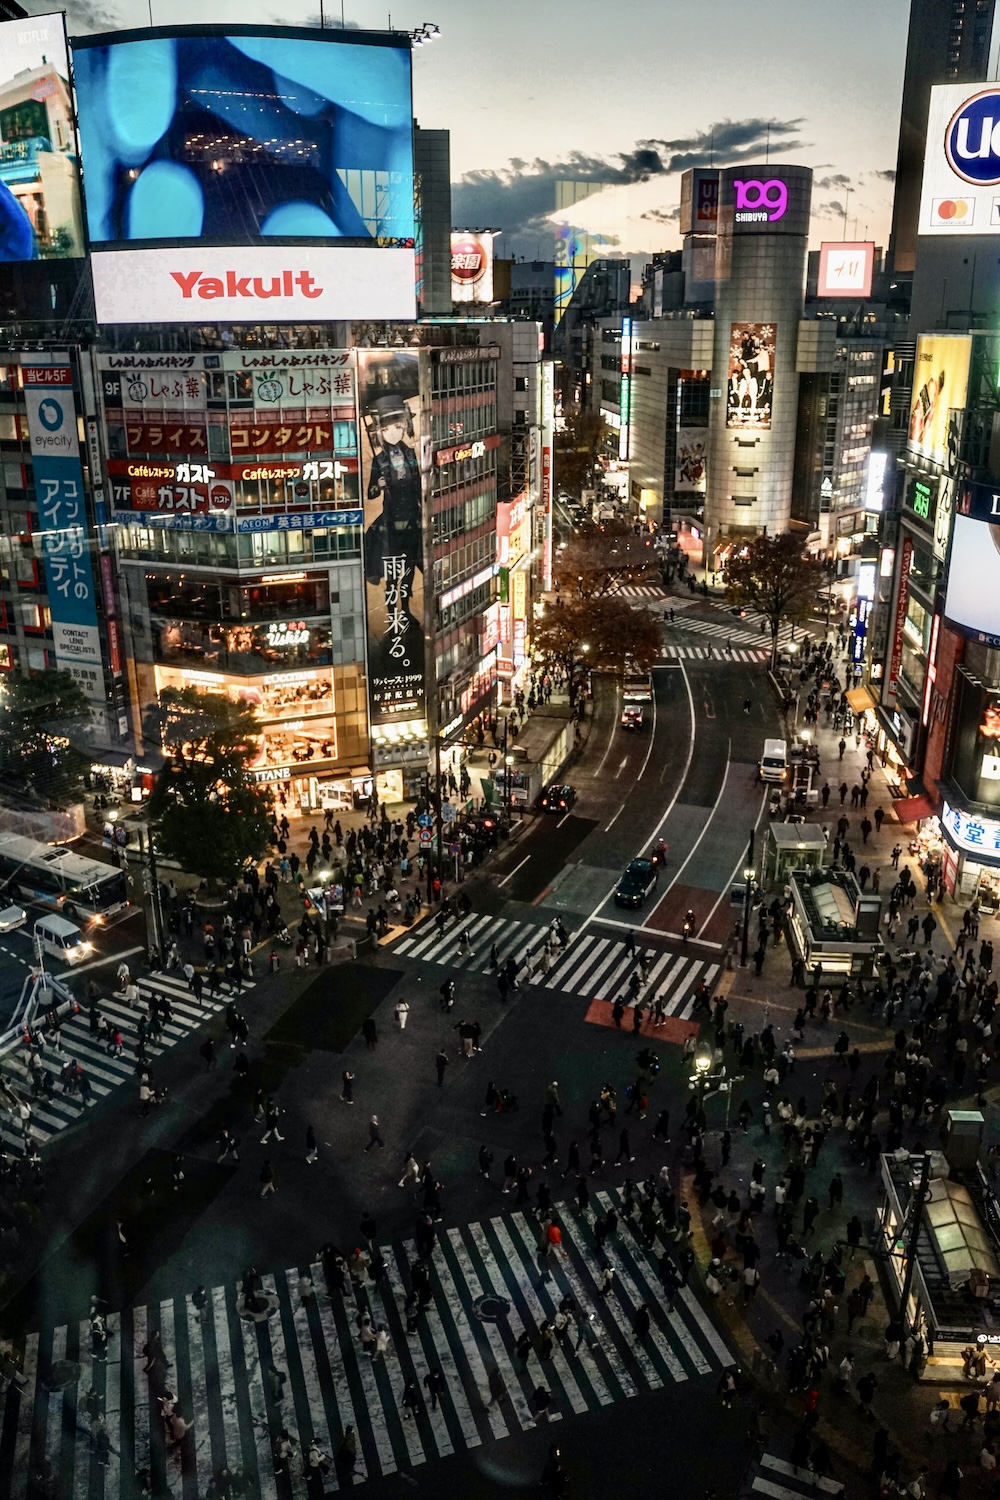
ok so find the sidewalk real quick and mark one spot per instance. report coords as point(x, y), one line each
point(781, 1299)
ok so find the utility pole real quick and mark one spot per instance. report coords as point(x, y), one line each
point(440, 818)
point(919, 1199)
point(151, 886)
point(748, 876)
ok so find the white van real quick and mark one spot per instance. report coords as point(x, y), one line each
point(773, 764)
point(62, 939)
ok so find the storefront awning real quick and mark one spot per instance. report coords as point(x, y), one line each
point(860, 698)
point(912, 809)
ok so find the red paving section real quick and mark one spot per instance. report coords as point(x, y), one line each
point(670, 1030)
point(669, 915)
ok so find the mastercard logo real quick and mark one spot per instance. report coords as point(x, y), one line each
point(953, 210)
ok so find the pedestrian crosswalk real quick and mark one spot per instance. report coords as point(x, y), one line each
point(294, 1365)
point(782, 1480)
point(54, 1109)
point(599, 967)
point(642, 591)
point(742, 634)
point(712, 653)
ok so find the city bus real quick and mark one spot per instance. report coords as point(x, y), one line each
point(70, 883)
point(637, 687)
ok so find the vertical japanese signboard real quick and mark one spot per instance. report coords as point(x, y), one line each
point(69, 573)
point(389, 404)
point(891, 689)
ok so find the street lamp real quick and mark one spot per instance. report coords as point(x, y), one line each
point(508, 762)
point(748, 875)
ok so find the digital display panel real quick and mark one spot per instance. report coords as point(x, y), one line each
point(247, 136)
point(750, 387)
point(940, 383)
point(40, 212)
point(973, 599)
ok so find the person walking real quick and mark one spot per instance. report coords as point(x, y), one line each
point(401, 1011)
point(272, 1115)
point(312, 1149)
point(347, 1089)
point(374, 1134)
point(440, 1063)
point(435, 1385)
point(228, 1146)
point(267, 1183)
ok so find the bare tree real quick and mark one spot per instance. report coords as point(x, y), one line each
point(772, 575)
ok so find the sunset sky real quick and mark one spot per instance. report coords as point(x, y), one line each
point(627, 95)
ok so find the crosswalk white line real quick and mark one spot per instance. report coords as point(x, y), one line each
point(258, 1409)
point(174, 1478)
point(22, 1443)
point(219, 1372)
point(525, 1231)
point(81, 1445)
point(54, 1417)
point(415, 1348)
point(474, 1359)
point(310, 1375)
point(199, 1397)
point(496, 1343)
point(539, 1314)
point(612, 1303)
point(605, 972)
point(446, 1363)
point(804, 1476)
point(113, 1400)
point(107, 1073)
point(391, 1367)
point(224, 1365)
point(287, 1415)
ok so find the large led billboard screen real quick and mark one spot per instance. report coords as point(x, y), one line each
point(750, 386)
point(40, 212)
point(972, 602)
point(940, 383)
point(235, 138)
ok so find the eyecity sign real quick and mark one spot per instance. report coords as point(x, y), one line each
point(759, 202)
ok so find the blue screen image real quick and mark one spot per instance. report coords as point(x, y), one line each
point(237, 138)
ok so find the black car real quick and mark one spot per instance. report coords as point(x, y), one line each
point(639, 879)
point(557, 798)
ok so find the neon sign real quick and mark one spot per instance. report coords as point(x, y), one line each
point(759, 202)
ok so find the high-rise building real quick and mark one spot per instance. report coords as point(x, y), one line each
point(949, 41)
point(432, 192)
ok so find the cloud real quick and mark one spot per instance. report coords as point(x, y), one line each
point(886, 174)
point(663, 215)
point(832, 209)
point(332, 21)
point(520, 197)
point(837, 180)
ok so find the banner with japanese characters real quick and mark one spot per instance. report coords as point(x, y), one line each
point(69, 573)
point(391, 476)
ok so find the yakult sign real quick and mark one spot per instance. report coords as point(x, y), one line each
point(759, 202)
point(245, 284)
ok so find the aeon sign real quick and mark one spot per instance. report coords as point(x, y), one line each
point(759, 202)
point(972, 139)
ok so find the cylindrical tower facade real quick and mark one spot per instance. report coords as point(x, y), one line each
point(760, 272)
